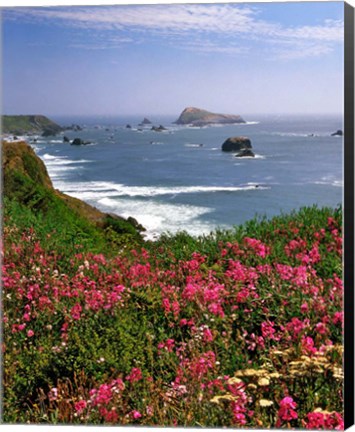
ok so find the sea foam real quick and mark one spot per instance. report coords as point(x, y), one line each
point(117, 189)
point(158, 217)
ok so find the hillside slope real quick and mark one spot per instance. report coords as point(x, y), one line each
point(29, 124)
point(26, 182)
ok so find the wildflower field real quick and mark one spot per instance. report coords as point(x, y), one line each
point(241, 328)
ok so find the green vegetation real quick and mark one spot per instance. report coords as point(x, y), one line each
point(239, 328)
point(187, 331)
point(28, 124)
point(62, 222)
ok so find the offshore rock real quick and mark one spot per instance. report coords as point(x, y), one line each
point(74, 127)
point(245, 153)
point(145, 121)
point(199, 117)
point(339, 132)
point(236, 144)
point(79, 141)
point(158, 128)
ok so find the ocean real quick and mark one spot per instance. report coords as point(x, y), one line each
point(179, 179)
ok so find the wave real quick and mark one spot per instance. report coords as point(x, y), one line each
point(47, 156)
point(193, 145)
point(36, 148)
point(159, 217)
point(298, 134)
point(59, 166)
point(66, 162)
point(61, 160)
point(120, 190)
point(330, 181)
point(256, 156)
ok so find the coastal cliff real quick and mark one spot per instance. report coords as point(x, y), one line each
point(200, 117)
point(26, 182)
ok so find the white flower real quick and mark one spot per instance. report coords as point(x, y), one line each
point(265, 403)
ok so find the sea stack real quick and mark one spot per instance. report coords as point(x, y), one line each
point(79, 141)
point(239, 145)
point(145, 122)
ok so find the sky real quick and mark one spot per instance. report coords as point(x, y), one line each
point(234, 58)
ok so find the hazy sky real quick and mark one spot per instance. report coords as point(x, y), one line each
point(116, 60)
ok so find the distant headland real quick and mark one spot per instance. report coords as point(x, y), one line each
point(29, 124)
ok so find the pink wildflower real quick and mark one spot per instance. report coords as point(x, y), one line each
point(258, 247)
point(287, 410)
point(111, 416)
point(295, 327)
point(207, 335)
point(304, 307)
point(102, 396)
point(168, 345)
point(175, 308)
point(338, 318)
point(326, 421)
point(189, 291)
point(267, 330)
point(315, 420)
point(166, 305)
point(136, 414)
point(321, 328)
point(135, 375)
point(308, 345)
point(75, 311)
point(216, 309)
point(30, 333)
point(80, 406)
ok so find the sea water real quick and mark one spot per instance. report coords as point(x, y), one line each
point(179, 179)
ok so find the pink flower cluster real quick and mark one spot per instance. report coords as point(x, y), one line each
point(215, 315)
point(287, 411)
point(324, 421)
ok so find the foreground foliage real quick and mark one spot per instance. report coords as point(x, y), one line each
point(241, 328)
